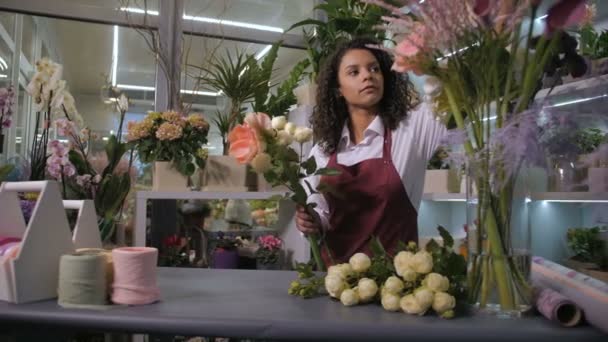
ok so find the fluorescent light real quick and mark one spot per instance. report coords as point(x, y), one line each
point(115, 55)
point(105, 138)
point(490, 118)
point(577, 201)
point(135, 87)
point(578, 101)
point(3, 64)
point(3, 76)
point(196, 92)
point(455, 52)
point(138, 10)
point(234, 23)
point(263, 52)
point(541, 17)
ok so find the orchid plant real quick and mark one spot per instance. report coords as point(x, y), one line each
point(265, 145)
point(7, 100)
point(485, 83)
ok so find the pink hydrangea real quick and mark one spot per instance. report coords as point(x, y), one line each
point(270, 242)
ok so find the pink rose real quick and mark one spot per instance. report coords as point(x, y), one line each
point(258, 121)
point(244, 144)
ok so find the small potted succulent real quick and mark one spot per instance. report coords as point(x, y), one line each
point(269, 254)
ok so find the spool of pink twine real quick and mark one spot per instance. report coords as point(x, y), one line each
point(135, 275)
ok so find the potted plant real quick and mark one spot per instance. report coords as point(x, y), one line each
point(174, 252)
point(345, 19)
point(268, 255)
point(589, 249)
point(174, 143)
point(439, 177)
point(594, 45)
point(225, 254)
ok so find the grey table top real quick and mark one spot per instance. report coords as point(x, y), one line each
point(255, 304)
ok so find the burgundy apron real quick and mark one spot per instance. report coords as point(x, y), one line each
point(371, 201)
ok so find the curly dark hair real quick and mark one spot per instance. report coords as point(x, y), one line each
point(331, 111)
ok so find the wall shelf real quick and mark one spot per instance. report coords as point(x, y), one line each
point(211, 195)
point(571, 197)
point(444, 197)
point(574, 86)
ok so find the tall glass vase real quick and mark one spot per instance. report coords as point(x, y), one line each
point(498, 241)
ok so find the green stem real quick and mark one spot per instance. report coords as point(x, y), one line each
point(313, 239)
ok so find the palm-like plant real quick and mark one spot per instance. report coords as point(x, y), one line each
point(236, 77)
point(222, 122)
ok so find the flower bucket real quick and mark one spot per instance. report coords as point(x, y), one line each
point(166, 178)
point(225, 259)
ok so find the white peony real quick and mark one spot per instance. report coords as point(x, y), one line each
point(393, 284)
point(290, 128)
point(403, 260)
point(360, 262)
point(284, 138)
point(390, 302)
point(334, 285)
point(436, 282)
point(349, 297)
point(422, 262)
point(278, 122)
point(261, 162)
point(443, 302)
point(341, 270)
point(366, 289)
point(303, 134)
point(407, 274)
point(409, 304)
point(424, 296)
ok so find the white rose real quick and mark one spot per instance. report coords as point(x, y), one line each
point(366, 289)
point(341, 270)
point(278, 122)
point(422, 262)
point(407, 273)
point(360, 262)
point(390, 302)
point(409, 304)
point(290, 128)
point(284, 138)
point(436, 282)
point(424, 296)
point(393, 284)
point(443, 302)
point(349, 297)
point(334, 285)
point(402, 260)
point(261, 162)
point(303, 134)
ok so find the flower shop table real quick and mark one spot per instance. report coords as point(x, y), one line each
point(255, 304)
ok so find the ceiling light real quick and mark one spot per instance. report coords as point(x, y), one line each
point(115, 55)
point(3, 76)
point(3, 64)
point(138, 10)
point(565, 103)
point(197, 92)
point(134, 87)
point(233, 23)
point(263, 52)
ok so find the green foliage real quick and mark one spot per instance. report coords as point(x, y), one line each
point(589, 139)
point(587, 246)
point(308, 285)
point(382, 263)
point(593, 44)
point(448, 263)
point(5, 170)
point(345, 19)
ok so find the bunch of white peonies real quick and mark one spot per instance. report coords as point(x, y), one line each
point(413, 288)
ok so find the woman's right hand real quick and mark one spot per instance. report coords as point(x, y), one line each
point(307, 223)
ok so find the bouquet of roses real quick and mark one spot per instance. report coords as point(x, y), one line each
point(265, 145)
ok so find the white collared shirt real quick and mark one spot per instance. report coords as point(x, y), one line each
point(413, 143)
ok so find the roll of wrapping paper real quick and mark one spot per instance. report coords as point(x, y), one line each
point(558, 308)
point(82, 281)
point(135, 275)
point(589, 294)
point(109, 264)
point(9, 248)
